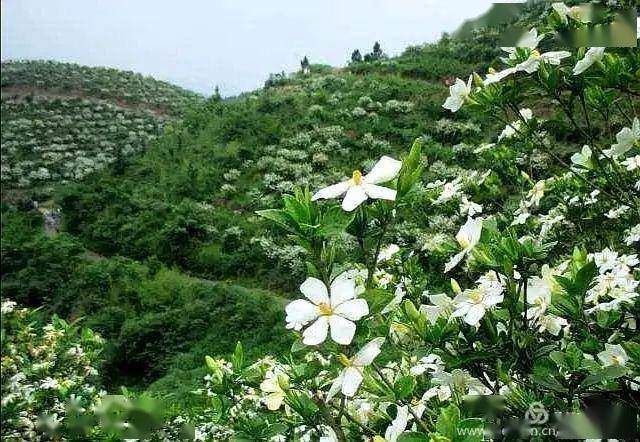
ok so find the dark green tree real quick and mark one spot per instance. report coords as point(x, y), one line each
point(304, 64)
point(356, 56)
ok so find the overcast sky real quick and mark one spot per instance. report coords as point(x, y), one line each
point(233, 43)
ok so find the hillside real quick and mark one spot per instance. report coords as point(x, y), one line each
point(188, 203)
point(62, 122)
point(503, 230)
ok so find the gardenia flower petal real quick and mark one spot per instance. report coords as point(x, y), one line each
point(336, 386)
point(315, 291)
point(475, 314)
point(398, 425)
point(342, 330)
point(379, 192)
point(274, 400)
point(458, 93)
point(593, 55)
point(301, 311)
point(383, 171)
point(317, 332)
point(497, 77)
point(626, 138)
point(342, 289)
point(351, 381)
point(354, 309)
point(333, 191)
point(454, 261)
point(355, 196)
point(368, 353)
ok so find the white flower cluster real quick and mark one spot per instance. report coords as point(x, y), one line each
point(615, 283)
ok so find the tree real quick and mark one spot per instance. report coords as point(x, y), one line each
point(356, 56)
point(304, 64)
point(377, 51)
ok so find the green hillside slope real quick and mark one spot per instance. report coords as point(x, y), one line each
point(62, 122)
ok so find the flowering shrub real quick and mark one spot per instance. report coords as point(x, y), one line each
point(49, 376)
point(538, 321)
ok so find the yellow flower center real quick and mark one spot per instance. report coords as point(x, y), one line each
point(476, 296)
point(492, 71)
point(535, 53)
point(616, 360)
point(344, 360)
point(325, 309)
point(357, 177)
point(464, 243)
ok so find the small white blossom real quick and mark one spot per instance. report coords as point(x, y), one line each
point(336, 312)
point(592, 56)
point(362, 187)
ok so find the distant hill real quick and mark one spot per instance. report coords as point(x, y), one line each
point(63, 121)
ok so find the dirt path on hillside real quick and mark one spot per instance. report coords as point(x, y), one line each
point(21, 92)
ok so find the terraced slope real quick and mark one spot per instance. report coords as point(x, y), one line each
point(61, 122)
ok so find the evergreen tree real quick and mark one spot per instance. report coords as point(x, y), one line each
point(377, 51)
point(356, 56)
point(216, 94)
point(304, 64)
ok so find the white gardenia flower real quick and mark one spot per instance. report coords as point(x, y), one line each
point(352, 375)
point(472, 304)
point(272, 385)
point(552, 324)
point(496, 77)
point(7, 306)
point(395, 302)
point(468, 207)
point(431, 363)
point(616, 212)
point(449, 191)
point(361, 187)
point(516, 126)
point(583, 158)
point(565, 12)
point(613, 355)
point(536, 193)
point(632, 163)
point(532, 64)
point(336, 311)
point(539, 293)
point(398, 424)
point(632, 235)
point(387, 253)
point(529, 40)
point(626, 139)
point(468, 237)
point(592, 56)
point(458, 94)
point(460, 381)
point(441, 305)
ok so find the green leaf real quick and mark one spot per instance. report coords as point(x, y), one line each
point(411, 170)
point(574, 356)
point(404, 386)
point(237, 359)
point(549, 381)
point(217, 374)
point(280, 217)
point(606, 374)
point(633, 350)
point(377, 299)
point(470, 430)
point(413, 436)
point(448, 421)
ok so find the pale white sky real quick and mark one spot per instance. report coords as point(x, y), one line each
point(233, 43)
